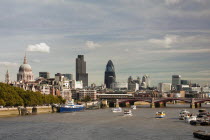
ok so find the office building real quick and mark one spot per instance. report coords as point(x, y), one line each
point(176, 80)
point(110, 76)
point(45, 75)
point(81, 70)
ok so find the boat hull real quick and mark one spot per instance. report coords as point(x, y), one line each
point(66, 109)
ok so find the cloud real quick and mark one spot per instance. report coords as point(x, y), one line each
point(183, 51)
point(92, 45)
point(8, 64)
point(166, 42)
point(171, 2)
point(42, 47)
point(35, 61)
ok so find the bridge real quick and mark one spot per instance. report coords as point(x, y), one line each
point(128, 99)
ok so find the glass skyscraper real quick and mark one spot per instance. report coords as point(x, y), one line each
point(81, 70)
point(110, 76)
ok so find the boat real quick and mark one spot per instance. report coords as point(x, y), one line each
point(133, 107)
point(190, 118)
point(128, 112)
point(70, 107)
point(160, 114)
point(183, 114)
point(117, 109)
point(202, 135)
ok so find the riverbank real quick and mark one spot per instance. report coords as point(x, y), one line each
point(9, 112)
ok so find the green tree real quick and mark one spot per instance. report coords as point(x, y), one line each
point(2, 102)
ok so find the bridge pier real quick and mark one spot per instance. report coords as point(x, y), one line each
point(197, 105)
point(104, 103)
point(152, 104)
point(192, 105)
point(117, 103)
point(128, 104)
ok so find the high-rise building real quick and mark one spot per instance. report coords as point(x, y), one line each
point(176, 80)
point(110, 76)
point(145, 81)
point(164, 87)
point(185, 82)
point(25, 72)
point(81, 70)
point(68, 76)
point(7, 80)
point(45, 75)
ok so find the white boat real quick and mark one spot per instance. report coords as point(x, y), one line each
point(117, 109)
point(183, 113)
point(190, 118)
point(133, 107)
point(160, 114)
point(128, 113)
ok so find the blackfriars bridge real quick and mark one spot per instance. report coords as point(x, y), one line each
point(121, 100)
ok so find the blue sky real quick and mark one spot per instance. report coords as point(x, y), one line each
point(155, 37)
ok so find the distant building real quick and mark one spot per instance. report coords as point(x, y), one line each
point(110, 76)
point(91, 93)
point(25, 73)
point(176, 80)
point(164, 87)
point(185, 82)
point(81, 70)
point(7, 79)
point(145, 83)
point(68, 76)
point(119, 86)
point(45, 75)
point(76, 84)
point(133, 86)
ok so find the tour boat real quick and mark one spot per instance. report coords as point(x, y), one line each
point(117, 109)
point(128, 113)
point(160, 114)
point(183, 113)
point(133, 107)
point(70, 107)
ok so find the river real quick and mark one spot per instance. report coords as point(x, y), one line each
point(100, 124)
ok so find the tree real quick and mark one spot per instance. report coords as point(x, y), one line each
point(2, 102)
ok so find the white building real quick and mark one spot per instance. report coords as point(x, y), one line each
point(76, 84)
point(133, 86)
point(87, 92)
point(164, 87)
point(25, 73)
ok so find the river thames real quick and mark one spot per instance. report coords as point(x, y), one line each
point(100, 124)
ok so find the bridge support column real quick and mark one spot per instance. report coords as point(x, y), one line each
point(117, 103)
point(192, 105)
point(174, 101)
point(127, 104)
point(104, 103)
point(152, 104)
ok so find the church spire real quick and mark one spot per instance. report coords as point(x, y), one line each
point(7, 80)
point(25, 59)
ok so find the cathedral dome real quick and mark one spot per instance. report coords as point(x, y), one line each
point(25, 68)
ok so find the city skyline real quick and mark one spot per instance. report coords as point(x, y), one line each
point(157, 38)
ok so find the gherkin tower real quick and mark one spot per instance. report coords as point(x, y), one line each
point(110, 76)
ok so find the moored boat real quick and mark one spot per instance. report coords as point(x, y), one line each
point(183, 114)
point(128, 112)
point(160, 114)
point(70, 107)
point(117, 109)
point(190, 118)
point(133, 107)
point(202, 135)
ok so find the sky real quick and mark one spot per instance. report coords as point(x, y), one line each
point(154, 37)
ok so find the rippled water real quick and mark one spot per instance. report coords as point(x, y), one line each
point(99, 125)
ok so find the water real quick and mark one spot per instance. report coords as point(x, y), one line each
point(100, 125)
